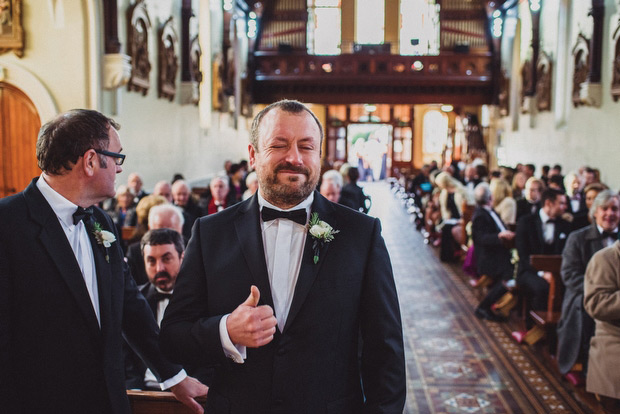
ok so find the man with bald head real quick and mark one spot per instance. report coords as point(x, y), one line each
point(182, 197)
point(134, 182)
point(219, 196)
point(164, 189)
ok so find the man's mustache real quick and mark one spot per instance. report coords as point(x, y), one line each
point(163, 274)
point(294, 168)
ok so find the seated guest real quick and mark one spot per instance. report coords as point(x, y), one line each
point(529, 170)
point(162, 250)
point(470, 178)
point(219, 195)
point(544, 175)
point(352, 195)
point(161, 216)
point(518, 185)
point(123, 212)
point(576, 200)
point(591, 191)
point(531, 202)
point(236, 182)
point(251, 182)
point(503, 202)
point(142, 216)
point(544, 232)
point(164, 189)
point(556, 182)
point(419, 185)
point(490, 238)
point(183, 199)
point(451, 200)
point(575, 327)
point(601, 292)
point(134, 181)
point(331, 185)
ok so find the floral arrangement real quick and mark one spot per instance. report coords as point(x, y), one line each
point(104, 238)
point(321, 232)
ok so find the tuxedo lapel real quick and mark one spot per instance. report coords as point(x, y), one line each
point(103, 268)
point(309, 270)
point(249, 235)
point(54, 240)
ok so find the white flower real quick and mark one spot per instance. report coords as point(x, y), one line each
point(320, 230)
point(322, 233)
point(107, 238)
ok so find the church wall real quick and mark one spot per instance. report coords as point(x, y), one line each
point(159, 137)
point(572, 137)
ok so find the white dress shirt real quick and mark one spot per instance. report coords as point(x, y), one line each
point(78, 239)
point(548, 227)
point(284, 242)
point(607, 241)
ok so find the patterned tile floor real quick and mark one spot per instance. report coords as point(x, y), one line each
point(455, 362)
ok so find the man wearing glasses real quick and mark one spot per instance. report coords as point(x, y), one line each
point(67, 297)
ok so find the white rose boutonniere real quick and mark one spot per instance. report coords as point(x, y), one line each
point(104, 238)
point(321, 232)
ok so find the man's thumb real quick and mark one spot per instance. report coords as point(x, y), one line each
point(252, 300)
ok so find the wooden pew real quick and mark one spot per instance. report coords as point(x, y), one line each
point(157, 402)
point(127, 232)
point(547, 320)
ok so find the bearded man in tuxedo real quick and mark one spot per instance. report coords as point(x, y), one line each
point(320, 331)
point(66, 294)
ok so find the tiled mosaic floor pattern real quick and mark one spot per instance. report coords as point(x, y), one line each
point(456, 363)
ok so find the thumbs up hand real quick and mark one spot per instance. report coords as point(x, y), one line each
point(251, 325)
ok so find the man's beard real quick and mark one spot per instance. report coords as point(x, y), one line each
point(280, 193)
point(162, 279)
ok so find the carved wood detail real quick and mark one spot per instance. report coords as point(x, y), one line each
point(615, 80)
point(543, 83)
point(526, 84)
point(504, 93)
point(138, 26)
point(581, 59)
point(168, 60)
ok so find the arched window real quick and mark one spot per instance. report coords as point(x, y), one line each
point(435, 127)
point(324, 19)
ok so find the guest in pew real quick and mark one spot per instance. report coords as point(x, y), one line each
point(601, 293)
point(576, 200)
point(182, 197)
point(164, 189)
point(331, 185)
point(162, 216)
point(124, 212)
point(66, 295)
point(590, 193)
point(334, 342)
point(134, 181)
point(353, 195)
point(576, 327)
point(531, 202)
point(142, 216)
point(503, 202)
point(251, 181)
point(544, 232)
point(236, 183)
point(451, 199)
point(518, 185)
point(491, 241)
point(219, 196)
point(162, 251)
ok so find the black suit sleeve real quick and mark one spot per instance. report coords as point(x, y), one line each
point(522, 242)
point(383, 367)
point(573, 267)
point(484, 232)
point(188, 335)
point(6, 382)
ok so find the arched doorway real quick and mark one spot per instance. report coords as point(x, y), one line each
point(18, 136)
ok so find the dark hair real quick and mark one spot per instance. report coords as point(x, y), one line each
point(482, 171)
point(353, 174)
point(234, 168)
point(531, 167)
point(550, 194)
point(64, 139)
point(545, 168)
point(163, 236)
point(557, 167)
point(286, 105)
point(557, 180)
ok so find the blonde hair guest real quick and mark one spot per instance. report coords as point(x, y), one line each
point(503, 202)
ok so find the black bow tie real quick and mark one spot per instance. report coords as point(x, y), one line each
point(162, 295)
point(82, 214)
point(611, 234)
point(298, 216)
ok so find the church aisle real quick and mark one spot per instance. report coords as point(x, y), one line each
point(455, 362)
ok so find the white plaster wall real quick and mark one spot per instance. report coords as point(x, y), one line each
point(589, 136)
point(55, 50)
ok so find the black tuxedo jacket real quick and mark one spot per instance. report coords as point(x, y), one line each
point(54, 357)
point(530, 240)
point(313, 366)
point(134, 365)
point(492, 258)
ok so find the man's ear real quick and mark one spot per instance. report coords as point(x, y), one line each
point(252, 155)
point(90, 160)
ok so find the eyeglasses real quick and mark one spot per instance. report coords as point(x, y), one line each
point(119, 159)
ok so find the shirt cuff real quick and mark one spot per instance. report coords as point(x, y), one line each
point(235, 352)
point(171, 382)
